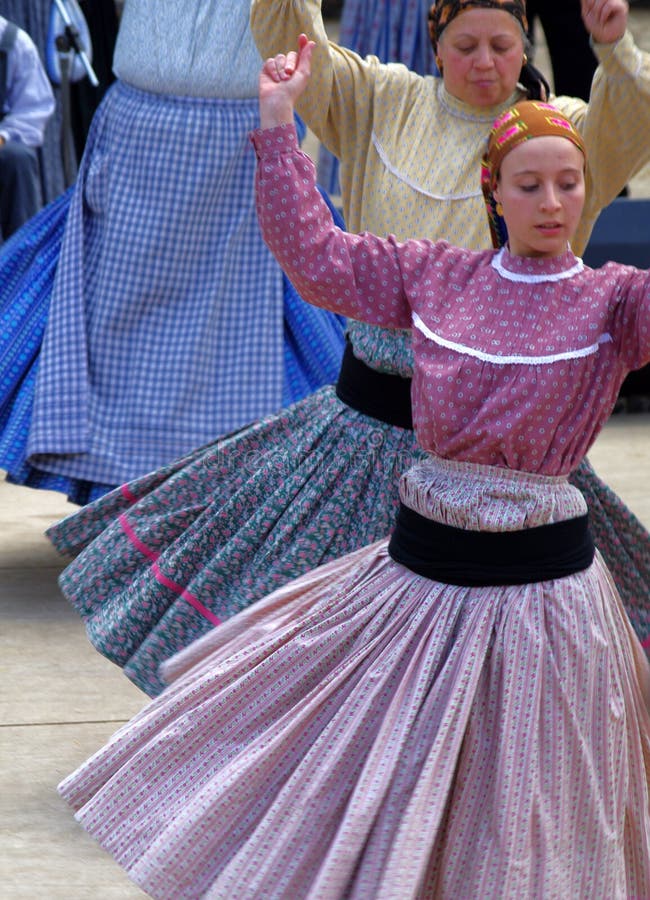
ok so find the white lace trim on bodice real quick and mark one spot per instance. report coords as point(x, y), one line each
point(507, 360)
point(413, 184)
point(530, 278)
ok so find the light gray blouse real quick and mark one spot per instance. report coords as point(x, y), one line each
point(196, 48)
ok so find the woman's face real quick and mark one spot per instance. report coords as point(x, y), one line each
point(481, 53)
point(542, 191)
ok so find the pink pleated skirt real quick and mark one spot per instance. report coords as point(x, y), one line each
point(364, 732)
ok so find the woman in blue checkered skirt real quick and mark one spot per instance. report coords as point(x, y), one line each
point(169, 322)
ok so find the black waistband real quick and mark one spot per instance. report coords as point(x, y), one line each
point(376, 394)
point(478, 558)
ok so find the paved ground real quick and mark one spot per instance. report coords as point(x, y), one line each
point(61, 700)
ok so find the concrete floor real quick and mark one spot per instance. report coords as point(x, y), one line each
point(61, 700)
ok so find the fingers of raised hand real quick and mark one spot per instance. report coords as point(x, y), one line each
point(605, 19)
point(279, 67)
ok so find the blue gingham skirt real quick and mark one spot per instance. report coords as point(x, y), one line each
point(311, 349)
point(27, 265)
point(167, 325)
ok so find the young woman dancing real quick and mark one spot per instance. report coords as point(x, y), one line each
point(459, 712)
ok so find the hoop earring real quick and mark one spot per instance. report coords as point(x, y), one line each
point(499, 209)
point(525, 60)
point(439, 64)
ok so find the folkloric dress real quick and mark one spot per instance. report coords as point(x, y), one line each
point(166, 558)
point(366, 731)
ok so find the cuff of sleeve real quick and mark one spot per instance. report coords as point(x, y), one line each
point(623, 53)
point(270, 141)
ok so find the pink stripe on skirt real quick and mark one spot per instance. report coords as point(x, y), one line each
point(364, 732)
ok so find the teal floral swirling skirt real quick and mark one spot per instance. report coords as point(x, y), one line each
point(167, 557)
point(162, 560)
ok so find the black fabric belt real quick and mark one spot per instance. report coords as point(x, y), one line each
point(480, 558)
point(376, 394)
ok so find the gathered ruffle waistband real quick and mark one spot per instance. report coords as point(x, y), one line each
point(474, 525)
point(488, 498)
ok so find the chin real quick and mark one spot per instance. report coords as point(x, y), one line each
point(488, 96)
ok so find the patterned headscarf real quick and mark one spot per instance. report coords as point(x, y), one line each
point(442, 12)
point(523, 121)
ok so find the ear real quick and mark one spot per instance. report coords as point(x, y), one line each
point(496, 193)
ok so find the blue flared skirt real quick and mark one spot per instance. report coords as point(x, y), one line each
point(312, 345)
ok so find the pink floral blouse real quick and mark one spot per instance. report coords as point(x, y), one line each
point(517, 361)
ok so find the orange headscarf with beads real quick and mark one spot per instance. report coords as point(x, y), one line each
point(521, 122)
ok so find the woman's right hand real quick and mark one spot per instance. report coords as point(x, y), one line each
point(605, 20)
point(282, 80)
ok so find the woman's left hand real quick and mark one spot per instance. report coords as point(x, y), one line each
point(605, 20)
point(282, 80)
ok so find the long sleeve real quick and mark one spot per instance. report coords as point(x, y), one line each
point(357, 275)
point(630, 325)
point(30, 101)
point(337, 103)
point(615, 125)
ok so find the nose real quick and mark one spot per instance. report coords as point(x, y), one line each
point(550, 198)
point(483, 58)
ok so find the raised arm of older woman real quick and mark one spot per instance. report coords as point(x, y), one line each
point(616, 122)
point(337, 103)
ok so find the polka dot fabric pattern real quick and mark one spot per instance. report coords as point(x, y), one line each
point(518, 360)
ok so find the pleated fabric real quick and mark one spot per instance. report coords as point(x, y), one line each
point(156, 292)
point(28, 262)
point(310, 346)
point(189, 546)
point(164, 559)
point(624, 543)
point(366, 732)
point(393, 30)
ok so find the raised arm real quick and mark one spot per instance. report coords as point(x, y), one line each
point(356, 275)
point(616, 121)
point(338, 102)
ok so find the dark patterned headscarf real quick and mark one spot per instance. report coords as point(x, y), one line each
point(445, 11)
point(442, 12)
